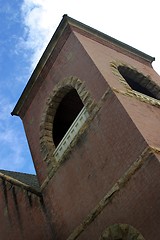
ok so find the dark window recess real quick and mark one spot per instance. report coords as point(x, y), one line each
point(137, 81)
point(67, 111)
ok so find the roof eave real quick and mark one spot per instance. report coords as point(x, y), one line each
point(61, 28)
point(108, 38)
point(40, 66)
point(18, 183)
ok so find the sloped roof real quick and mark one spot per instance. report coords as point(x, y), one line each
point(67, 25)
point(29, 180)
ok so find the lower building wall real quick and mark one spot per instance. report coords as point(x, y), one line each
point(134, 203)
point(22, 214)
point(101, 156)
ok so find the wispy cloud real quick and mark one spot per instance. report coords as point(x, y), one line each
point(41, 17)
point(11, 138)
point(39, 26)
point(5, 106)
point(38, 21)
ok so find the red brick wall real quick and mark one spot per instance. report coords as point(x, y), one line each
point(22, 215)
point(71, 61)
point(102, 155)
point(142, 114)
point(114, 140)
point(137, 204)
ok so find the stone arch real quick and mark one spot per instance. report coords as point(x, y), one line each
point(149, 91)
point(124, 71)
point(121, 232)
point(137, 81)
point(47, 145)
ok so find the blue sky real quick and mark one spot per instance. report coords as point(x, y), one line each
point(14, 71)
point(26, 28)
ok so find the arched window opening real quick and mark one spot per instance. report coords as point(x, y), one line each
point(139, 82)
point(121, 232)
point(66, 116)
point(67, 111)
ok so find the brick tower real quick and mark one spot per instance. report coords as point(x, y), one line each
point(91, 116)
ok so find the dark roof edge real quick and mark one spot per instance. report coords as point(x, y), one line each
point(68, 20)
point(51, 45)
point(19, 184)
point(135, 51)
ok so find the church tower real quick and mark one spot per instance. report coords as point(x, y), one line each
point(91, 113)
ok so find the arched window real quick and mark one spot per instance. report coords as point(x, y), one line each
point(67, 111)
point(64, 119)
point(70, 116)
point(139, 82)
point(121, 232)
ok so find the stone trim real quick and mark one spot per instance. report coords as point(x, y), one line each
point(93, 111)
point(144, 80)
point(46, 139)
point(121, 231)
point(139, 96)
point(155, 149)
point(14, 182)
point(120, 184)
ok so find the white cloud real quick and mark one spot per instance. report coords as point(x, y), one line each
point(39, 24)
point(5, 107)
point(11, 138)
point(135, 23)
